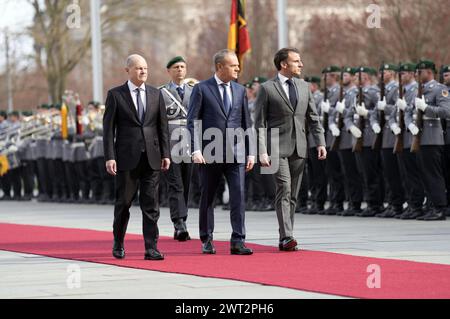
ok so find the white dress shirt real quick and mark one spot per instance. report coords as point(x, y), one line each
point(133, 88)
point(228, 88)
point(285, 86)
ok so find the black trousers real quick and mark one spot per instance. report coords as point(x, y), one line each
point(415, 194)
point(178, 179)
point(353, 176)
point(317, 177)
point(44, 181)
point(83, 175)
point(127, 183)
point(391, 171)
point(27, 174)
point(72, 179)
point(370, 163)
point(430, 159)
point(335, 177)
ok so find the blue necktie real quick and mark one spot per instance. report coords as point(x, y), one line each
point(226, 99)
point(140, 106)
point(292, 94)
point(180, 92)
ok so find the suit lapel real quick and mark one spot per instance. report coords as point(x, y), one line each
point(127, 96)
point(215, 90)
point(280, 90)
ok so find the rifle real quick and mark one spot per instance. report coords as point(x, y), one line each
point(340, 123)
point(358, 146)
point(379, 137)
point(415, 144)
point(325, 98)
point(398, 146)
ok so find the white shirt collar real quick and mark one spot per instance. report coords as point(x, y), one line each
point(282, 78)
point(219, 81)
point(133, 87)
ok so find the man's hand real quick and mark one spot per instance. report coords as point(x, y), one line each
point(361, 110)
point(322, 152)
point(395, 129)
point(250, 163)
point(340, 106)
point(165, 164)
point(356, 132)
point(325, 106)
point(334, 130)
point(197, 158)
point(413, 129)
point(111, 167)
point(421, 104)
point(376, 128)
point(381, 105)
point(401, 104)
point(265, 160)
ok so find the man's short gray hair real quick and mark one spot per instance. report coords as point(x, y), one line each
point(131, 59)
point(220, 56)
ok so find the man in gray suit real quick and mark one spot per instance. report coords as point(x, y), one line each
point(176, 96)
point(286, 104)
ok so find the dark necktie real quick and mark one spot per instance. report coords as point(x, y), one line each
point(180, 92)
point(226, 99)
point(140, 106)
point(292, 94)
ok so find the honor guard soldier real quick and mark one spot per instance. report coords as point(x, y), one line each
point(365, 129)
point(403, 118)
point(391, 169)
point(176, 95)
point(430, 108)
point(446, 79)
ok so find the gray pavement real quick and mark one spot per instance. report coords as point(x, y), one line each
point(30, 276)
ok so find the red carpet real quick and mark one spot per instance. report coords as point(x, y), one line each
point(315, 271)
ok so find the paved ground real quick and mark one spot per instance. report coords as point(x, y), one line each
point(30, 276)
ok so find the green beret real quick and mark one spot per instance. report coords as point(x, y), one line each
point(175, 60)
point(27, 113)
point(3, 114)
point(426, 65)
point(259, 79)
point(248, 85)
point(313, 79)
point(349, 69)
point(331, 68)
point(389, 66)
point(366, 69)
point(407, 67)
point(14, 113)
point(445, 68)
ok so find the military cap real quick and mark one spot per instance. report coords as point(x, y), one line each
point(331, 68)
point(349, 69)
point(3, 114)
point(408, 67)
point(14, 113)
point(248, 85)
point(175, 60)
point(389, 66)
point(259, 79)
point(27, 113)
point(366, 69)
point(445, 68)
point(312, 79)
point(426, 65)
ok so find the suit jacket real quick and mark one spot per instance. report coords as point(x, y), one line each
point(206, 104)
point(274, 110)
point(124, 137)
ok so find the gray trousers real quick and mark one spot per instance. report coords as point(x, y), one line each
point(288, 179)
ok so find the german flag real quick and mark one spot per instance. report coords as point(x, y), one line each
point(238, 37)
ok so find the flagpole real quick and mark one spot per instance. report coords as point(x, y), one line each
point(96, 43)
point(282, 24)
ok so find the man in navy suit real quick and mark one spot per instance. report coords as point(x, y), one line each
point(219, 105)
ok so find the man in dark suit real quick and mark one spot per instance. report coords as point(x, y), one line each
point(136, 143)
point(287, 105)
point(219, 106)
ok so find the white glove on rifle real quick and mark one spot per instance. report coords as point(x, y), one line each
point(325, 106)
point(334, 130)
point(356, 132)
point(413, 129)
point(340, 106)
point(376, 128)
point(421, 104)
point(401, 104)
point(361, 110)
point(395, 129)
point(381, 105)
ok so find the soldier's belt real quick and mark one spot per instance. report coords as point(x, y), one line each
point(75, 145)
point(431, 118)
point(178, 122)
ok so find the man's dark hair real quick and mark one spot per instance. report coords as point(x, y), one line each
point(282, 55)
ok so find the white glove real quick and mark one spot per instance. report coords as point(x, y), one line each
point(376, 128)
point(420, 104)
point(356, 132)
point(325, 106)
point(340, 106)
point(361, 110)
point(413, 129)
point(401, 104)
point(334, 130)
point(381, 105)
point(395, 129)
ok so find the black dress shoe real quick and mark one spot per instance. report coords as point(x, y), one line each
point(240, 249)
point(181, 235)
point(153, 254)
point(118, 251)
point(302, 209)
point(435, 214)
point(208, 248)
point(369, 212)
point(288, 244)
